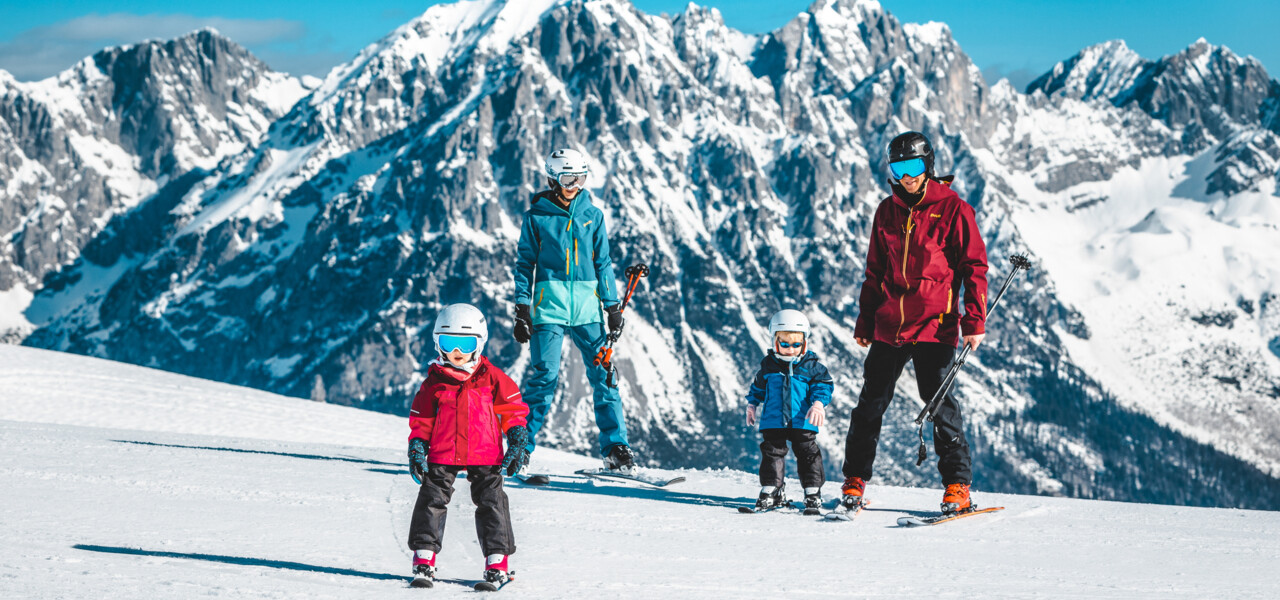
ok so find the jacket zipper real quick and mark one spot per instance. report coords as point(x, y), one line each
point(906, 247)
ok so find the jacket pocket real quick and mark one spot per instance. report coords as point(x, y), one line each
point(553, 303)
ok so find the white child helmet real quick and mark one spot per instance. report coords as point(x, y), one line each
point(461, 319)
point(789, 320)
point(567, 167)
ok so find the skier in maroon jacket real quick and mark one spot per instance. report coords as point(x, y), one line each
point(925, 246)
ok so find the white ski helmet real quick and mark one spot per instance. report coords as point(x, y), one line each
point(567, 163)
point(461, 319)
point(789, 320)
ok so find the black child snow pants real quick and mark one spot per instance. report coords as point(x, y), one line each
point(493, 514)
point(773, 457)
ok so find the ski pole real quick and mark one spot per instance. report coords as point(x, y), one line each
point(605, 356)
point(1019, 262)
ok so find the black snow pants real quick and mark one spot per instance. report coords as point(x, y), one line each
point(773, 457)
point(493, 514)
point(881, 370)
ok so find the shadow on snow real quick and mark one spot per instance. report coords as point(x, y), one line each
point(243, 450)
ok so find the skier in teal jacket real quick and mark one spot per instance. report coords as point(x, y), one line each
point(563, 277)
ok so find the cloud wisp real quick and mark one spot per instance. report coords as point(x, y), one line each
point(44, 51)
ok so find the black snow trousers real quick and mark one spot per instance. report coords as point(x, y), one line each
point(773, 457)
point(493, 514)
point(881, 370)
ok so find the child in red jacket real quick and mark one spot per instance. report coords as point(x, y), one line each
point(457, 422)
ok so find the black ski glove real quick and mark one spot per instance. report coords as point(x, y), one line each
point(517, 449)
point(524, 324)
point(615, 318)
point(418, 459)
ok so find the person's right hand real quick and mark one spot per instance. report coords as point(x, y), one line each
point(418, 459)
point(523, 330)
point(751, 414)
point(864, 342)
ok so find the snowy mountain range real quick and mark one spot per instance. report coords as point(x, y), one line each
point(179, 205)
point(158, 485)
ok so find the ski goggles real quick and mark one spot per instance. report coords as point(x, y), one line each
point(571, 181)
point(912, 167)
point(463, 343)
point(788, 345)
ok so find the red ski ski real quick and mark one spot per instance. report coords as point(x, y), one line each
point(944, 518)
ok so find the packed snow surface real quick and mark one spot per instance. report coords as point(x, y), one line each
point(124, 482)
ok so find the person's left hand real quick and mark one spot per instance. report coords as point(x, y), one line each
point(817, 415)
point(517, 450)
point(972, 341)
point(615, 317)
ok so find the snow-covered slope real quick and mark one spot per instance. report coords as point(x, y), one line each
point(125, 482)
point(745, 171)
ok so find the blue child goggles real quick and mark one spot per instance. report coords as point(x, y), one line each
point(463, 343)
point(912, 167)
point(790, 344)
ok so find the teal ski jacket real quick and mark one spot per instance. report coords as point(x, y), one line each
point(563, 269)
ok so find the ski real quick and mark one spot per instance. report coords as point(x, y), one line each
point(752, 510)
point(846, 512)
point(421, 582)
point(610, 475)
point(944, 518)
point(532, 479)
point(495, 582)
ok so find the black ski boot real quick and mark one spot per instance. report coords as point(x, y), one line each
point(620, 459)
point(813, 504)
point(771, 500)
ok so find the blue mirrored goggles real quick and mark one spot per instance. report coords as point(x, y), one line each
point(571, 180)
point(907, 168)
point(790, 344)
point(464, 343)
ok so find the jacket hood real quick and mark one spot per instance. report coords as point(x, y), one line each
point(935, 191)
point(771, 360)
point(446, 368)
point(545, 204)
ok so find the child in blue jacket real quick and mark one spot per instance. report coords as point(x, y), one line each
point(788, 399)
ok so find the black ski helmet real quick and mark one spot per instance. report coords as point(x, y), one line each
point(912, 144)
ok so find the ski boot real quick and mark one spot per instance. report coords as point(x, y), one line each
point(620, 459)
point(813, 503)
point(852, 490)
point(772, 500)
point(424, 569)
point(956, 499)
point(495, 574)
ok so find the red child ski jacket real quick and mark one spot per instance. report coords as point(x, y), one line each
point(463, 417)
point(918, 259)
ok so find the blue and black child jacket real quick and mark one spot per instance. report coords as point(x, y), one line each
point(786, 391)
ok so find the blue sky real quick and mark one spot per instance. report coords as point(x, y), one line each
point(1003, 37)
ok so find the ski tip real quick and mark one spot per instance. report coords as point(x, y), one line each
point(746, 510)
point(421, 583)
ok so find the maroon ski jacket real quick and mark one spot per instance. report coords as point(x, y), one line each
point(918, 260)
